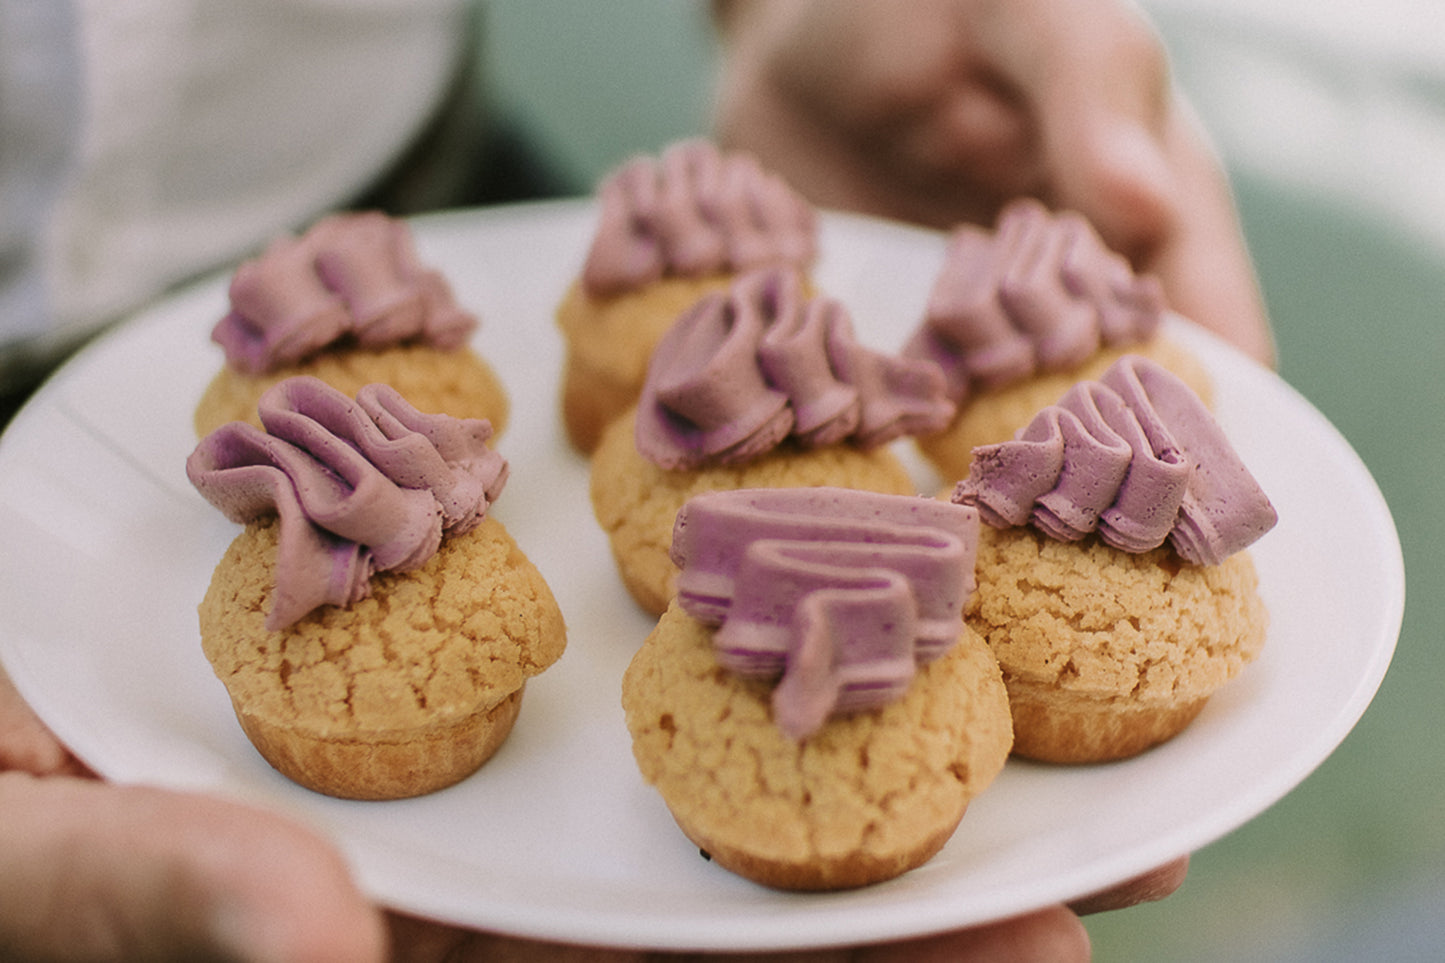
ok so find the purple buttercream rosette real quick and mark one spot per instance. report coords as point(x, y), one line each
point(744, 370)
point(350, 276)
point(1039, 293)
point(691, 212)
point(1135, 456)
point(838, 594)
point(359, 486)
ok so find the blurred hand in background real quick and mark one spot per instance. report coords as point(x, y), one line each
point(940, 111)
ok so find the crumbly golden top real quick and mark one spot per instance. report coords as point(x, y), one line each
point(1114, 625)
point(635, 501)
point(457, 383)
point(990, 417)
point(872, 783)
point(428, 647)
point(616, 334)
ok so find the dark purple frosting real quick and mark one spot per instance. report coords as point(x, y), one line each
point(745, 369)
point(1040, 293)
point(841, 593)
point(1135, 456)
point(359, 486)
point(692, 212)
point(353, 276)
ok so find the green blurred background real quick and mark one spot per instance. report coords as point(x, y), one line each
point(1331, 120)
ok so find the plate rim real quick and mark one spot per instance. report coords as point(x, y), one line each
point(465, 221)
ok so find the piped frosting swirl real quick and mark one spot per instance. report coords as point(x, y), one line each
point(350, 276)
point(745, 369)
point(840, 594)
point(692, 212)
point(359, 486)
point(1135, 456)
point(1040, 293)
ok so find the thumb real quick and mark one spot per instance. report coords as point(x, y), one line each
point(1103, 101)
point(91, 871)
point(1119, 147)
point(26, 743)
point(1132, 158)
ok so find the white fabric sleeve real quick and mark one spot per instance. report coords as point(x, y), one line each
point(183, 134)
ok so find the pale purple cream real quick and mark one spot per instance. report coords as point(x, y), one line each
point(359, 486)
point(1135, 456)
point(351, 276)
point(743, 370)
point(838, 594)
point(692, 212)
point(1040, 293)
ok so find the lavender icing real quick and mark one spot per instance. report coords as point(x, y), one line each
point(745, 369)
point(359, 486)
point(1135, 456)
point(353, 276)
point(838, 594)
point(692, 212)
point(1040, 293)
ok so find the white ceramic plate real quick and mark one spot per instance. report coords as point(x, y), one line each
point(107, 550)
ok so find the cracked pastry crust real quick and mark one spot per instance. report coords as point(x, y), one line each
point(636, 502)
point(459, 383)
point(609, 342)
point(400, 694)
point(992, 417)
point(866, 798)
point(1106, 653)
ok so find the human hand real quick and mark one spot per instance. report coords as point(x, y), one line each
point(92, 871)
point(1054, 934)
point(944, 113)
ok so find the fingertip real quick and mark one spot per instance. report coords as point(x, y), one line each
point(1119, 178)
point(245, 931)
point(282, 894)
point(96, 870)
point(1054, 933)
point(26, 744)
point(1150, 887)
